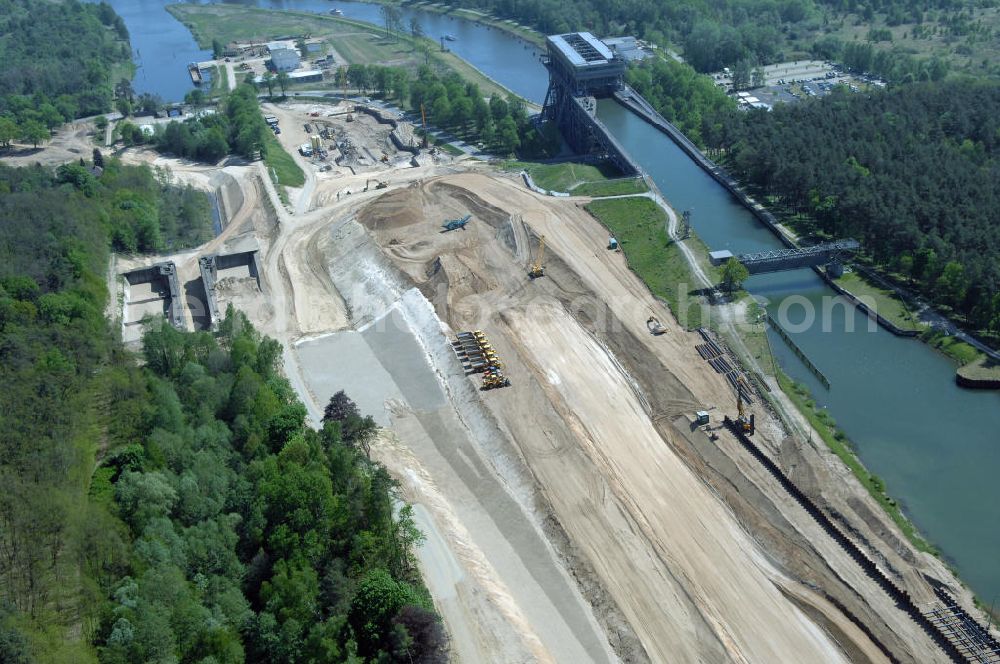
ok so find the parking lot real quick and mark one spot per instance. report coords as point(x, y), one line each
point(788, 82)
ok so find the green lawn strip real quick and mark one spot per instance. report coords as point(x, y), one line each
point(886, 303)
point(638, 225)
point(617, 187)
point(837, 441)
point(564, 176)
point(283, 165)
point(982, 368)
point(953, 347)
point(450, 149)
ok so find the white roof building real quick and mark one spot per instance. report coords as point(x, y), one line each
point(284, 59)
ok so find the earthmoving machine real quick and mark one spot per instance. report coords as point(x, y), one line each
point(379, 184)
point(478, 356)
point(655, 326)
point(455, 224)
point(744, 422)
point(538, 269)
point(385, 158)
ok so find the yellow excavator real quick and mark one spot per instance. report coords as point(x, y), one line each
point(745, 423)
point(538, 269)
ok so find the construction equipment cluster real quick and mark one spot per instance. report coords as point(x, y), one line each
point(477, 356)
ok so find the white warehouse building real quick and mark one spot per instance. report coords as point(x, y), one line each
point(284, 59)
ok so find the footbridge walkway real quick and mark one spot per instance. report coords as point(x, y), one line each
point(777, 260)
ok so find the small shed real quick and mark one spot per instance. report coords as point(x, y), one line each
point(719, 257)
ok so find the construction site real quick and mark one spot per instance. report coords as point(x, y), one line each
point(594, 482)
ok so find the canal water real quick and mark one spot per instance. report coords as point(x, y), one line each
point(936, 446)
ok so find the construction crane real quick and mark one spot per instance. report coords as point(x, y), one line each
point(423, 120)
point(745, 423)
point(538, 269)
point(455, 224)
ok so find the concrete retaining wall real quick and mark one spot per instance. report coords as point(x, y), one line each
point(209, 267)
point(976, 383)
point(165, 272)
point(530, 184)
point(393, 135)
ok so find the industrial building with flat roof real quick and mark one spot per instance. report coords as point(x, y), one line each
point(627, 47)
point(284, 59)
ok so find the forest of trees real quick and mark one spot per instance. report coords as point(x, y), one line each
point(451, 103)
point(912, 173)
point(58, 60)
point(689, 100)
point(217, 526)
point(238, 127)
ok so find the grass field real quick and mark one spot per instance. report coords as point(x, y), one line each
point(229, 23)
point(639, 226)
point(887, 304)
point(579, 179)
point(616, 187)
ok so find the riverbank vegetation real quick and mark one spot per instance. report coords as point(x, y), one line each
point(823, 423)
point(59, 61)
point(182, 510)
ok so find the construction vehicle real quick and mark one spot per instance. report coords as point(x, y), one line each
point(655, 326)
point(349, 118)
point(478, 356)
point(613, 243)
point(538, 269)
point(455, 224)
point(385, 158)
point(744, 422)
point(379, 184)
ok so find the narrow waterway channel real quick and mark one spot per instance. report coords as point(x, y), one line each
point(936, 446)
